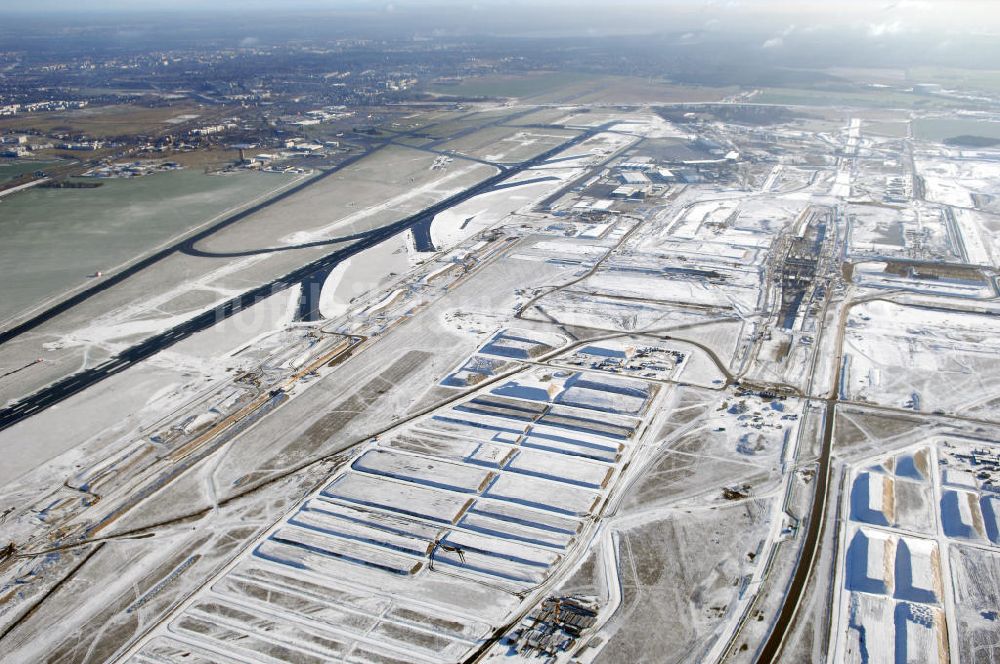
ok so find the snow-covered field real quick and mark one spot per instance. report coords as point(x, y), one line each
point(448, 520)
point(954, 181)
point(922, 359)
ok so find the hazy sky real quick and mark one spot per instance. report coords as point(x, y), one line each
point(926, 12)
point(878, 19)
point(695, 35)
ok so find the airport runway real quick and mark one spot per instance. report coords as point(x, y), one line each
point(76, 383)
point(118, 277)
point(188, 244)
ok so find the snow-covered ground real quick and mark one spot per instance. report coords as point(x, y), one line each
point(907, 556)
point(921, 358)
point(587, 400)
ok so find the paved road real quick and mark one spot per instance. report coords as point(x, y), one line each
point(76, 383)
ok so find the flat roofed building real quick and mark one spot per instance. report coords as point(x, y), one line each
point(634, 178)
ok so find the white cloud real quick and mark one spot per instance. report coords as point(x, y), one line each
point(912, 5)
point(779, 41)
point(885, 29)
point(716, 4)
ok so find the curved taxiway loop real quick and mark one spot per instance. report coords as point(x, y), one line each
point(66, 387)
point(190, 249)
point(189, 242)
point(154, 258)
point(421, 233)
